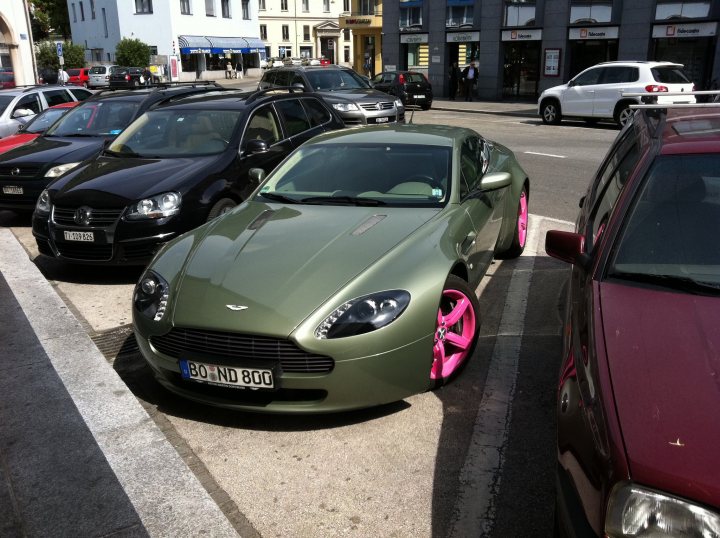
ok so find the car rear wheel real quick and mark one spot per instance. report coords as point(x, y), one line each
point(456, 330)
point(623, 114)
point(521, 224)
point(221, 207)
point(550, 112)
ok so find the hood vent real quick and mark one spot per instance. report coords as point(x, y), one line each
point(369, 223)
point(261, 219)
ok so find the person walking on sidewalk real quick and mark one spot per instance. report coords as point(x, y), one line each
point(239, 69)
point(455, 76)
point(228, 70)
point(469, 77)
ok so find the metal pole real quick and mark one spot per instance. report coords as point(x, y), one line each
point(26, 8)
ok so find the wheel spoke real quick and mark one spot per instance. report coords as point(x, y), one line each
point(458, 340)
point(454, 316)
point(438, 360)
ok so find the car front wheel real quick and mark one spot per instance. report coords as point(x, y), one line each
point(221, 207)
point(550, 112)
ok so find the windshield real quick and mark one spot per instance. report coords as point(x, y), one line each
point(335, 79)
point(106, 118)
point(670, 238)
point(177, 132)
point(5, 100)
point(363, 174)
point(42, 121)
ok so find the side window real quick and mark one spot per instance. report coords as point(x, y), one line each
point(56, 97)
point(317, 113)
point(268, 79)
point(293, 115)
point(619, 75)
point(79, 93)
point(263, 125)
point(30, 102)
point(589, 77)
point(470, 166)
point(609, 164)
point(283, 78)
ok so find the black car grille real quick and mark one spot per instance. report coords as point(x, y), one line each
point(371, 107)
point(18, 172)
point(87, 252)
point(98, 217)
point(241, 347)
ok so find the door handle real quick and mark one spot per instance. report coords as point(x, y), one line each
point(468, 242)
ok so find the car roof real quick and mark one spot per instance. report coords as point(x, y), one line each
point(225, 99)
point(159, 92)
point(430, 135)
point(690, 130)
point(19, 90)
point(310, 67)
point(641, 62)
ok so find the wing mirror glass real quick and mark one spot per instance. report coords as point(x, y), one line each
point(566, 246)
point(256, 175)
point(495, 180)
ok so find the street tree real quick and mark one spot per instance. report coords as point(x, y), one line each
point(132, 52)
point(49, 17)
point(74, 55)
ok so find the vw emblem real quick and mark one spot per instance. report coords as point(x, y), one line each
point(236, 307)
point(83, 215)
point(15, 172)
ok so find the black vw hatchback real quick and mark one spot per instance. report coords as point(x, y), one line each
point(171, 170)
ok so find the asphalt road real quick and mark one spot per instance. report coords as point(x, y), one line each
point(472, 459)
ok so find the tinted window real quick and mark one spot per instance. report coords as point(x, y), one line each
point(414, 77)
point(96, 119)
point(470, 165)
point(56, 97)
point(263, 125)
point(669, 75)
point(588, 77)
point(73, 72)
point(335, 79)
point(293, 115)
point(283, 78)
point(620, 74)
point(269, 77)
point(98, 70)
point(80, 94)
point(31, 102)
point(317, 113)
point(42, 121)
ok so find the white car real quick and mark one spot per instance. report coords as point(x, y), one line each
point(597, 92)
point(292, 61)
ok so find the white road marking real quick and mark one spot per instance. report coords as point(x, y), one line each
point(480, 476)
point(545, 154)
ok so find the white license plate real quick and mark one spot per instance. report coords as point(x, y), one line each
point(79, 236)
point(228, 376)
point(419, 97)
point(381, 120)
point(12, 190)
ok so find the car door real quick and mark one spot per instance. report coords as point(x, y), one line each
point(29, 102)
point(614, 81)
point(578, 97)
point(264, 125)
point(296, 121)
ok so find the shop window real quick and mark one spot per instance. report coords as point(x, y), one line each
point(263, 32)
point(410, 17)
point(210, 8)
point(519, 13)
point(590, 11)
point(286, 32)
point(141, 6)
point(185, 7)
point(458, 16)
point(283, 5)
point(417, 55)
point(681, 10)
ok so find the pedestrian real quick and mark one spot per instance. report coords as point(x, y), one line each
point(147, 75)
point(239, 73)
point(469, 78)
point(455, 76)
point(228, 70)
point(49, 75)
point(63, 76)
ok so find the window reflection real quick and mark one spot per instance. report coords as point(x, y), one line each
point(519, 13)
point(587, 12)
point(681, 10)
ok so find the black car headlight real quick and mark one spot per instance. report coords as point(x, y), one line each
point(363, 314)
point(43, 204)
point(637, 511)
point(155, 207)
point(151, 296)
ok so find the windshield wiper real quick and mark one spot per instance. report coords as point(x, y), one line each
point(681, 283)
point(342, 200)
point(278, 197)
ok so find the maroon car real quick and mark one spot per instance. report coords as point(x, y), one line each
point(638, 405)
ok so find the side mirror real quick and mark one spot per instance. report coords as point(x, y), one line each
point(495, 180)
point(256, 176)
point(298, 86)
point(255, 146)
point(566, 246)
point(22, 113)
point(21, 127)
point(571, 83)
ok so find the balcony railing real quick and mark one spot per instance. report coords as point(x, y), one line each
point(370, 13)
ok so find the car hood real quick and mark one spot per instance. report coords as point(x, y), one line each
point(554, 89)
point(119, 181)
point(664, 356)
point(283, 262)
point(6, 144)
point(357, 94)
point(54, 150)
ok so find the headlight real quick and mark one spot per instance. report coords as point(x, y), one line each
point(345, 107)
point(156, 207)
point(364, 314)
point(151, 296)
point(637, 511)
point(43, 204)
point(60, 169)
point(398, 103)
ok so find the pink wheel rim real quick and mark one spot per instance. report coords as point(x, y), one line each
point(454, 334)
point(522, 219)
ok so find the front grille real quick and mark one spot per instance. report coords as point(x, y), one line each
point(86, 251)
point(20, 171)
point(241, 347)
point(371, 107)
point(98, 217)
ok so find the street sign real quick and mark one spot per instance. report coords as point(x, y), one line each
point(59, 50)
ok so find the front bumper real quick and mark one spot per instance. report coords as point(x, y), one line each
point(364, 117)
point(31, 189)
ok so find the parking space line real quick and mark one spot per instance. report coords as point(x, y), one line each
point(545, 154)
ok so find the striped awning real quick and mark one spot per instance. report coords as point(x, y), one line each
point(219, 44)
point(194, 44)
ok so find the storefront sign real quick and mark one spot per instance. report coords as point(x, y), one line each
point(462, 37)
point(358, 21)
point(552, 63)
point(414, 38)
point(700, 29)
point(195, 51)
point(598, 32)
point(522, 35)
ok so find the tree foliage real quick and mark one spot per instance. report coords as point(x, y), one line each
point(132, 53)
point(47, 55)
point(49, 17)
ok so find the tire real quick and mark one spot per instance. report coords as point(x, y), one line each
point(550, 112)
point(457, 327)
point(520, 234)
point(136, 83)
point(426, 107)
point(222, 206)
point(623, 114)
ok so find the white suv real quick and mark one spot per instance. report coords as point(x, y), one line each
point(597, 92)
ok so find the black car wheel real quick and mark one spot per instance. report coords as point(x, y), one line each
point(221, 207)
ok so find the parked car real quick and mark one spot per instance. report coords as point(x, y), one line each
point(353, 98)
point(597, 92)
point(36, 126)
point(19, 105)
point(77, 136)
point(310, 61)
point(411, 87)
point(174, 168)
point(7, 80)
point(127, 77)
point(273, 62)
point(99, 76)
point(79, 77)
point(637, 433)
point(347, 280)
point(292, 61)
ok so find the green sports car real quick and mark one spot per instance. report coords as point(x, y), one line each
point(346, 280)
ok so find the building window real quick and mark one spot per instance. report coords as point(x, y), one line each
point(143, 6)
point(410, 17)
point(286, 32)
point(367, 7)
point(326, 5)
point(346, 6)
point(82, 12)
point(306, 52)
point(590, 11)
point(246, 9)
point(346, 54)
point(92, 9)
point(283, 5)
point(458, 16)
point(305, 6)
point(681, 10)
point(225, 8)
point(105, 22)
point(346, 34)
point(261, 5)
point(185, 7)
point(210, 8)
point(519, 13)
point(263, 32)
point(306, 32)
point(74, 13)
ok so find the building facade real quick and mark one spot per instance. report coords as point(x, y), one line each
point(16, 48)
point(304, 29)
point(525, 46)
point(364, 19)
point(192, 38)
